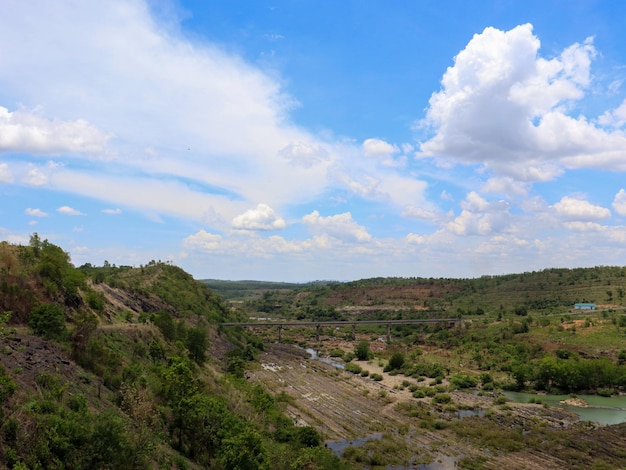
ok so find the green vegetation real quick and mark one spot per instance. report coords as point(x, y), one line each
point(147, 389)
point(130, 367)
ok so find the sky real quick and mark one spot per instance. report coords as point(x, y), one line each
point(301, 140)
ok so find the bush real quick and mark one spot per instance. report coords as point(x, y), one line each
point(353, 367)
point(463, 381)
point(442, 398)
point(362, 350)
point(337, 352)
point(396, 362)
point(376, 377)
point(48, 320)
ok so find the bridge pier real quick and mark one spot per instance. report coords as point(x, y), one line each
point(354, 331)
point(280, 333)
point(388, 332)
point(317, 333)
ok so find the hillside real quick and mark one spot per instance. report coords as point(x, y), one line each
point(551, 291)
point(122, 368)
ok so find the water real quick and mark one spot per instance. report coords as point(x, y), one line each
point(314, 355)
point(602, 410)
point(338, 447)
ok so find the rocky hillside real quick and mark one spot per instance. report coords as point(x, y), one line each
point(127, 367)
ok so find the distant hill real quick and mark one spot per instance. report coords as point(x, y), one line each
point(548, 291)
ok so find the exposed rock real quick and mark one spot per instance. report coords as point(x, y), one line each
point(579, 402)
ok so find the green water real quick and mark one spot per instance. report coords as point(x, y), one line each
point(602, 410)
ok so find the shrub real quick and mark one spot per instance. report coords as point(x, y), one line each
point(442, 398)
point(463, 381)
point(396, 362)
point(353, 367)
point(48, 320)
point(376, 377)
point(337, 352)
point(362, 350)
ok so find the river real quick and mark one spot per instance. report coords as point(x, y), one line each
point(602, 410)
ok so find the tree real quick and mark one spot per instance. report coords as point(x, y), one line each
point(362, 350)
point(309, 436)
point(244, 451)
point(197, 344)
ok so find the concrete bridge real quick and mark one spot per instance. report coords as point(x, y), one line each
point(280, 324)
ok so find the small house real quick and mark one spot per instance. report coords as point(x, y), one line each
point(584, 306)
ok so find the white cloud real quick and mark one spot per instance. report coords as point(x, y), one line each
point(578, 210)
point(419, 213)
point(341, 226)
point(378, 148)
point(503, 106)
point(115, 211)
point(385, 152)
point(261, 218)
point(205, 241)
point(67, 210)
point(35, 176)
point(304, 154)
point(505, 185)
point(480, 217)
point(224, 121)
point(619, 202)
point(23, 131)
point(615, 117)
point(416, 239)
point(578, 226)
point(35, 212)
point(5, 173)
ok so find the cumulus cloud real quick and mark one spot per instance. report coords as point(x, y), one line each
point(67, 210)
point(262, 217)
point(480, 217)
point(213, 243)
point(341, 226)
point(385, 152)
point(505, 185)
point(5, 173)
point(615, 117)
point(35, 212)
point(203, 240)
point(378, 148)
point(578, 210)
point(35, 176)
point(23, 131)
point(619, 202)
point(505, 107)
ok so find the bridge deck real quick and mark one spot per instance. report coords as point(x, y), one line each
point(342, 322)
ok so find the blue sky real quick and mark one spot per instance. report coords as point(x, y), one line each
point(302, 140)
